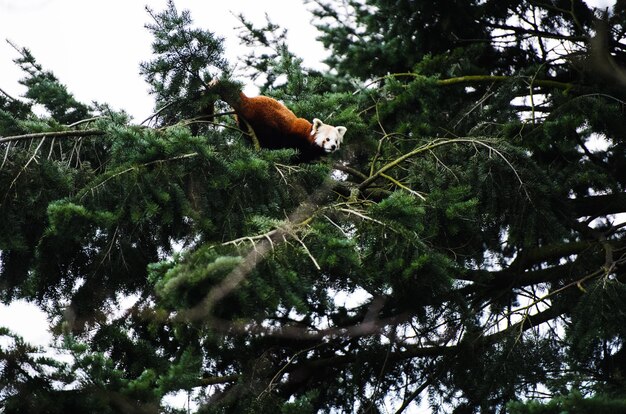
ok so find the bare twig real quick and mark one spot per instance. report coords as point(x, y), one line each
point(26, 165)
point(6, 154)
point(408, 400)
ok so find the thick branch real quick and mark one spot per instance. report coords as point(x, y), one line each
point(526, 259)
point(599, 205)
point(538, 255)
point(539, 33)
point(511, 278)
point(218, 380)
point(529, 322)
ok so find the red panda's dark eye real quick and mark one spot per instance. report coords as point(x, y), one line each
point(327, 139)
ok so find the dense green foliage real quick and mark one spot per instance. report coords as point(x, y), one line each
point(464, 251)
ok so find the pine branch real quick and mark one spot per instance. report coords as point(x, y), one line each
point(53, 134)
point(409, 351)
point(529, 321)
point(598, 205)
point(299, 217)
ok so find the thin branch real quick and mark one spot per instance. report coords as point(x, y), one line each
point(538, 33)
point(540, 300)
point(6, 155)
point(250, 239)
point(498, 78)
point(363, 216)
point(2, 91)
point(408, 400)
point(380, 141)
point(308, 252)
point(336, 225)
point(404, 187)
point(430, 146)
point(26, 165)
point(284, 368)
point(202, 120)
point(266, 235)
point(53, 134)
point(163, 108)
point(84, 121)
point(218, 114)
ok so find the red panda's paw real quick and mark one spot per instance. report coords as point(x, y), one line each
point(327, 136)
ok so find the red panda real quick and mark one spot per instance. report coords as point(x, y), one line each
point(276, 127)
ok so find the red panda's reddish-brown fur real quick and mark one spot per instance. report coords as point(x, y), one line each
point(276, 127)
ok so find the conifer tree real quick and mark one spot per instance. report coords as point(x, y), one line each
point(463, 251)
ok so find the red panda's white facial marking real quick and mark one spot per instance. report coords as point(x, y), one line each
point(327, 136)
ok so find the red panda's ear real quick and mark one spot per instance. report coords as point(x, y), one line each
point(316, 124)
point(342, 131)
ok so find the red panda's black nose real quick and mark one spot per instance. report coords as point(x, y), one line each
point(332, 147)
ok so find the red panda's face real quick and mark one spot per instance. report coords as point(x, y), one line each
point(327, 136)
